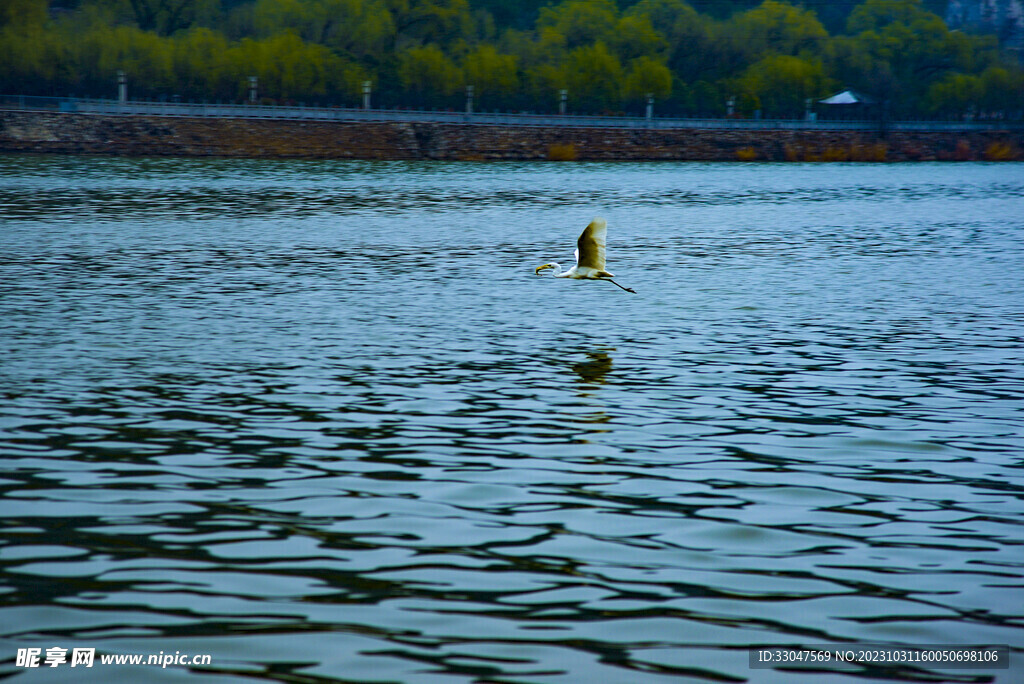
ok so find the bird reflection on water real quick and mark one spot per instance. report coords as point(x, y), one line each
point(591, 374)
point(594, 369)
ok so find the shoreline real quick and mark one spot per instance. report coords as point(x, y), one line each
point(145, 135)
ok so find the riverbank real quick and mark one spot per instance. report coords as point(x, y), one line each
point(73, 133)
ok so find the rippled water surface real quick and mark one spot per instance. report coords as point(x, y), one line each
point(320, 420)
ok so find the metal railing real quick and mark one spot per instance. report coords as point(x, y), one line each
point(300, 112)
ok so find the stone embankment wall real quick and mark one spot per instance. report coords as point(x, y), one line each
point(44, 132)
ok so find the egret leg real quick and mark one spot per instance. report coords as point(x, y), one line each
point(627, 289)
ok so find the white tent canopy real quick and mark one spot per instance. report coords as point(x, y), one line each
point(845, 97)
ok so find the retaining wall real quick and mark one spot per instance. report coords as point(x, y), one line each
point(46, 132)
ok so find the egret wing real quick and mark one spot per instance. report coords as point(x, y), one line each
point(590, 246)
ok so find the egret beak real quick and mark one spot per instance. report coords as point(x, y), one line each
point(540, 268)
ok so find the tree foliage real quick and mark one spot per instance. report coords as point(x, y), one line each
point(769, 57)
point(22, 14)
point(428, 74)
point(783, 83)
point(494, 76)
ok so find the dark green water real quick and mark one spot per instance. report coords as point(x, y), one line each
point(321, 421)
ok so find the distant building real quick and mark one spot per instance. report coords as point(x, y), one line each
point(1004, 18)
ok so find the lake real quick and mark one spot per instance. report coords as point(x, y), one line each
point(321, 422)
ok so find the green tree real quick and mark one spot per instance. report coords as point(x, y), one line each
point(607, 53)
point(634, 36)
point(778, 28)
point(289, 68)
point(428, 75)
point(783, 83)
point(692, 45)
point(647, 75)
point(747, 104)
point(593, 76)
point(165, 17)
point(30, 55)
point(581, 22)
point(146, 58)
point(707, 99)
point(770, 29)
point(494, 76)
point(875, 15)
point(202, 69)
point(358, 28)
point(419, 22)
point(519, 15)
point(34, 61)
point(1002, 90)
point(900, 49)
point(954, 95)
point(22, 13)
point(547, 46)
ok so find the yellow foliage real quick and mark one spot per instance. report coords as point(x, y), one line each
point(834, 154)
point(562, 152)
point(868, 153)
point(1000, 151)
point(746, 154)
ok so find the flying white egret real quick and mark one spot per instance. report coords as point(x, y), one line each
point(589, 257)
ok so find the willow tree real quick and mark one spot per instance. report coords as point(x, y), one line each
point(783, 83)
point(428, 75)
point(493, 75)
point(355, 28)
point(594, 77)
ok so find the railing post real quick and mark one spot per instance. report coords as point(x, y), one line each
point(122, 87)
point(563, 97)
point(367, 87)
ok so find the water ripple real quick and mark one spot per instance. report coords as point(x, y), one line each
point(237, 421)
